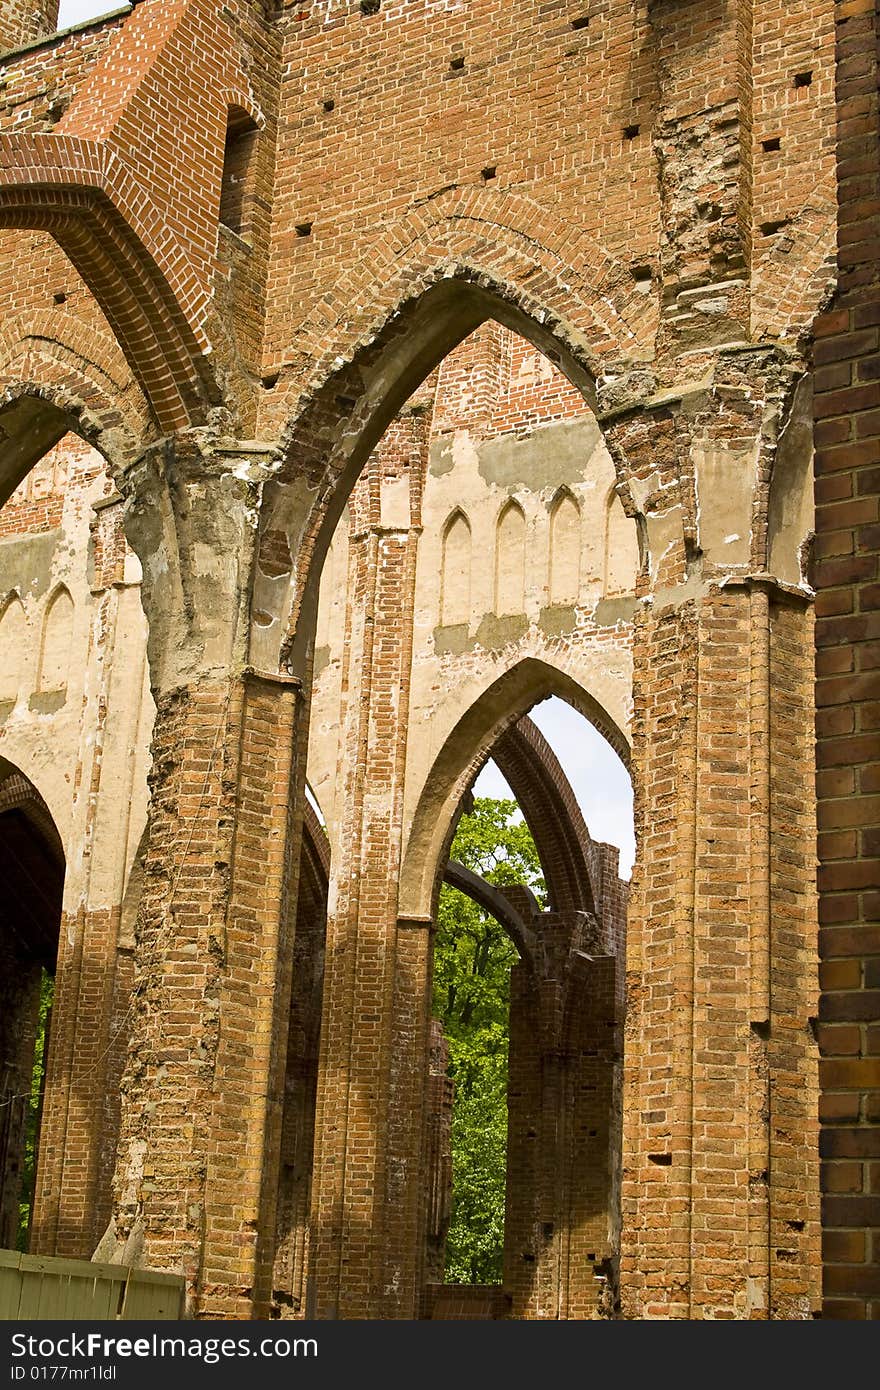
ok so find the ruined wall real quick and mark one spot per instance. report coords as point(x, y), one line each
point(22, 21)
point(76, 719)
point(525, 553)
point(646, 194)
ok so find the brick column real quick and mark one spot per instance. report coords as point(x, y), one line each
point(719, 1194)
point(368, 1208)
point(846, 574)
point(720, 1188)
point(196, 1177)
point(196, 1174)
point(563, 1106)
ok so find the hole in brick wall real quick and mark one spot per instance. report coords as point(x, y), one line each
point(346, 402)
point(529, 1259)
point(803, 79)
point(761, 1028)
point(795, 1225)
point(304, 229)
point(582, 22)
point(775, 143)
point(269, 382)
point(457, 63)
point(630, 132)
point(664, 1160)
point(370, 6)
point(238, 168)
point(771, 228)
point(592, 1255)
point(488, 173)
point(60, 297)
point(548, 1229)
point(641, 273)
point(329, 104)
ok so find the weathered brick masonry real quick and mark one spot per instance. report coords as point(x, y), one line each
point(846, 354)
point(581, 269)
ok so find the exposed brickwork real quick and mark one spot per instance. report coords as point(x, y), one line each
point(25, 20)
point(847, 407)
point(646, 199)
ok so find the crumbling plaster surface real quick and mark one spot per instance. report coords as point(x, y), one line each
point(86, 747)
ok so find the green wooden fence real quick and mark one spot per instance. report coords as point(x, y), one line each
point(41, 1288)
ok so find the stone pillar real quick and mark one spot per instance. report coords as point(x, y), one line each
point(720, 1213)
point(368, 1210)
point(196, 1173)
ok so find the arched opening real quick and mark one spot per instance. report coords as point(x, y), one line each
point(80, 723)
point(447, 591)
point(528, 1001)
point(32, 867)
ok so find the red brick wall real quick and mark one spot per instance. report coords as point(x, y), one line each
point(846, 574)
point(21, 21)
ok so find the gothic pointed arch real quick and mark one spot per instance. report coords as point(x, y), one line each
point(564, 566)
point(455, 572)
point(32, 866)
point(81, 193)
point(510, 559)
point(56, 642)
point(363, 387)
point(13, 647)
point(466, 748)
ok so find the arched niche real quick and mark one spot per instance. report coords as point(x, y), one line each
point(13, 648)
point(565, 548)
point(455, 574)
point(510, 560)
point(56, 644)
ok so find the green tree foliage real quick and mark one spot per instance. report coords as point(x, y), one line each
point(47, 988)
point(472, 960)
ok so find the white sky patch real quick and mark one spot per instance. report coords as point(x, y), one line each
point(78, 11)
point(599, 779)
point(315, 804)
